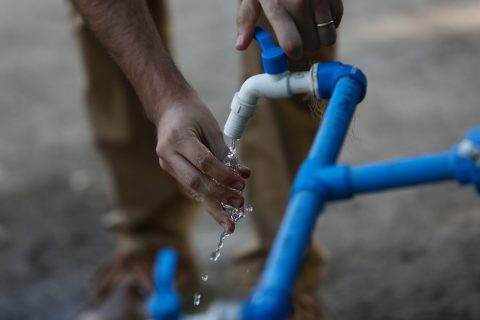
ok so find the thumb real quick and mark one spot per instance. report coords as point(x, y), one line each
point(247, 17)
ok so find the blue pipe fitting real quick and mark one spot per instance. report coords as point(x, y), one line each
point(336, 182)
point(336, 120)
point(165, 303)
point(273, 57)
point(328, 74)
point(333, 182)
point(467, 159)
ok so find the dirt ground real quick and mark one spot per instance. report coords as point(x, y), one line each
point(410, 254)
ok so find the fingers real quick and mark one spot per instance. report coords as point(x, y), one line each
point(205, 162)
point(284, 26)
point(220, 150)
point(215, 209)
point(244, 171)
point(336, 9)
point(247, 17)
point(302, 15)
point(294, 23)
point(199, 185)
point(327, 35)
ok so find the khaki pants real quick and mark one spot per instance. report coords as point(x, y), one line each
point(152, 210)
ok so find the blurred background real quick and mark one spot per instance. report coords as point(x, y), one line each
point(410, 254)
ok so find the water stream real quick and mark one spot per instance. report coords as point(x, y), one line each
point(235, 214)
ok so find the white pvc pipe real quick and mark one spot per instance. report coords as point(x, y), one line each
point(274, 86)
point(264, 85)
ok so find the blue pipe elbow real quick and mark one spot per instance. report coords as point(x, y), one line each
point(328, 74)
point(332, 182)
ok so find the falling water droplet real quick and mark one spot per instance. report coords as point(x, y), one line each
point(204, 277)
point(196, 299)
point(216, 253)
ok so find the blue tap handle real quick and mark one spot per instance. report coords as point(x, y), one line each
point(273, 57)
point(164, 303)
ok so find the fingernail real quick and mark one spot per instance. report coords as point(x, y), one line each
point(239, 40)
point(235, 202)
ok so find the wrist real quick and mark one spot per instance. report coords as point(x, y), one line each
point(162, 94)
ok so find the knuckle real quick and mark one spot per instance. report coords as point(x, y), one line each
point(195, 195)
point(160, 150)
point(162, 162)
point(173, 136)
point(276, 4)
point(204, 162)
point(194, 183)
point(213, 188)
point(300, 4)
point(241, 19)
point(275, 7)
point(292, 48)
point(167, 141)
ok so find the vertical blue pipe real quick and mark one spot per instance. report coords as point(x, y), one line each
point(336, 121)
point(271, 298)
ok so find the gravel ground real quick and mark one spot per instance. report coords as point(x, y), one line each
point(398, 255)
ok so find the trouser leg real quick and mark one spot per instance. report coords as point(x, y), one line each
point(152, 211)
point(275, 143)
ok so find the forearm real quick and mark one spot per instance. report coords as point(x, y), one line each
point(127, 30)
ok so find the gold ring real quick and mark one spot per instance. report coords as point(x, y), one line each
point(325, 24)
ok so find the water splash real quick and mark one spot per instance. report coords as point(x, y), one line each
point(235, 214)
point(196, 299)
point(231, 161)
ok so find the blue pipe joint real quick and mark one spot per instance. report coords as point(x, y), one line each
point(332, 182)
point(273, 57)
point(164, 303)
point(467, 159)
point(328, 74)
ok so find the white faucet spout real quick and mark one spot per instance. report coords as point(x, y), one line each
point(278, 86)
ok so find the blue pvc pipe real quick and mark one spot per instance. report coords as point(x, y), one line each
point(402, 173)
point(271, 298)
point(336, 121)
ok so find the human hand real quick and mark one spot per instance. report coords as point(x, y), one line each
point(190, 144)
point(294, 23)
